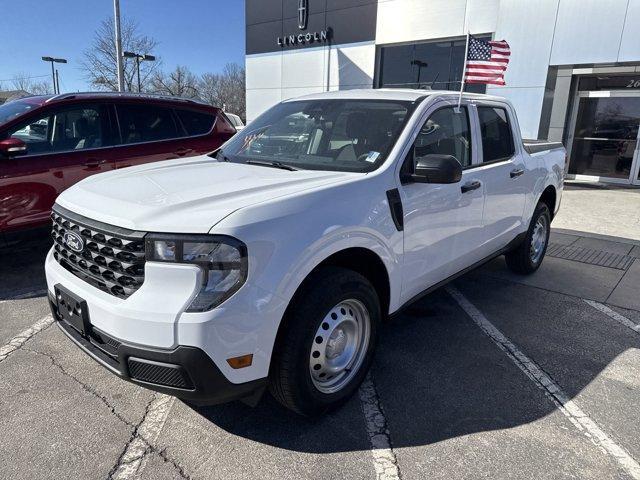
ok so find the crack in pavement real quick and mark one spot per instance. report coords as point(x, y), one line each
point(23, 337)
point(144, 444)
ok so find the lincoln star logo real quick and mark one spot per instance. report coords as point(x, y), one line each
point(303, 14)
point(74, 241)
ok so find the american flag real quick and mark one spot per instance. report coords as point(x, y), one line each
point(487, 61)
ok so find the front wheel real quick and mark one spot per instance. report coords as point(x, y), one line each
point(528, 256)
point(327, 346)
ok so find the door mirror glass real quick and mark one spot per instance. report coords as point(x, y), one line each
point(12, 147)
point(435, 168)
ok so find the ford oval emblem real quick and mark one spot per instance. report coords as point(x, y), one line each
point(73, 241)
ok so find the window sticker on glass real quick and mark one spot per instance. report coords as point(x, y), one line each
point(372, 157)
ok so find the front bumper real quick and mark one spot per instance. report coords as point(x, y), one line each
point(184, 372)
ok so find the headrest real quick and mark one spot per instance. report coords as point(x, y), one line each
point(357, 125)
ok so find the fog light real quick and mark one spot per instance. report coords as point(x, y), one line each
point(240, 362)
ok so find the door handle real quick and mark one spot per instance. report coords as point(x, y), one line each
point(93, 163)
point(182, 151)
point(516, 172)
point(467, 187)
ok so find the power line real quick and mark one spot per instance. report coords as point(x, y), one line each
point(20, 77)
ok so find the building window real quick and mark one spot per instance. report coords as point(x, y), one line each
point(430, 64)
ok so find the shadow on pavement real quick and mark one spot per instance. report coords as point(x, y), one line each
point(22, 269)
point(438, 377)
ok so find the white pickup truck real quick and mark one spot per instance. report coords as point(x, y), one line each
point(272, 261)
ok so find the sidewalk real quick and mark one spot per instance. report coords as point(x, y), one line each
point(594, 250)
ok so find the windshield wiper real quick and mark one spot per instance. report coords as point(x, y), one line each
point(274, 164)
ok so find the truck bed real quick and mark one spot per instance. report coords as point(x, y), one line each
point(537, 146)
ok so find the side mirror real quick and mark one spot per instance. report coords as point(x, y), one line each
point(436, 169)
point(12, 147)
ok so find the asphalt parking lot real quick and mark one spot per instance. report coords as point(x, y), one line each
point(496, 376)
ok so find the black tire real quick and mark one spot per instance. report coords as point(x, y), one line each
point(290, 380)
point(520, 260)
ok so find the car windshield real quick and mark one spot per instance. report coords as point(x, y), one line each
point(337, 135)
point(11, 110)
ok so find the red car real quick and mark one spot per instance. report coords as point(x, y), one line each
point(48, 143)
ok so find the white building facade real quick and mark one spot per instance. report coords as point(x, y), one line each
point(574, 74)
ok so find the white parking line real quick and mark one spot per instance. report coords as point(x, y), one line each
point(16, 342)
point(384, 460)
point(553, 391)
point(614, 315)
point(133, 460)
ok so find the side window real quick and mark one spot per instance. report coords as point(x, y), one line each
point(497, 140)
point(146, 123)
point(446, 132)
point(63, 130)
point(196, 123)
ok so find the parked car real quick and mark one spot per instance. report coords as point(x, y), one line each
point(48, 143)
point(274, 265)
point(235, 120)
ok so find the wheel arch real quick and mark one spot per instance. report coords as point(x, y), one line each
point(359, 259)
point(549, 198)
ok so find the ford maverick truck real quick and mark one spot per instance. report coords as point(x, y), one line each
point(270, 263)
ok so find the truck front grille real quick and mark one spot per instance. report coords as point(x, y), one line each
point(111, 259)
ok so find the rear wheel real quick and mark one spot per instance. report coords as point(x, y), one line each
point(327, 346)
point(528, 256)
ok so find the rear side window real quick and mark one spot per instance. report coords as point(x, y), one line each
point(146, 123)
point(196, 123)
point(497, 140)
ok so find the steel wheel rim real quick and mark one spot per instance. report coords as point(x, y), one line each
point(339, 346)
point(538, 239)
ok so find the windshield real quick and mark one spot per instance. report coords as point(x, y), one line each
point(338, 135)
point(11, 110)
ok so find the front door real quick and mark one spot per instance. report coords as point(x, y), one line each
point(442, 223)
point(604, 140)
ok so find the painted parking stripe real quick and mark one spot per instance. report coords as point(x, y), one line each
point(384, 460)
point(614, 315)
point(134, 458)
point(553, 391)
point(16, 342)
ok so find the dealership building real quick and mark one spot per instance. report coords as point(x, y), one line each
point(574, 74)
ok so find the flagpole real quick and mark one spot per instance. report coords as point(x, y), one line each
point(464, 70)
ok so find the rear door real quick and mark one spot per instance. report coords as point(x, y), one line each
point(505, 176)
point(148, 133)
point(64, 145)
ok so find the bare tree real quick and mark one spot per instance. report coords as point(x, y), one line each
point(225, 90)
point(100, 60)
point(23, 81)
point(181, 82)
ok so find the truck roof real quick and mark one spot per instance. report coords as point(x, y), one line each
point(405, 94)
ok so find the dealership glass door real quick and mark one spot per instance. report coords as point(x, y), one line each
point(604, 143)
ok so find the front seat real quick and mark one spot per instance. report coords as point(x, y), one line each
point(356, 130)
point(83, 131)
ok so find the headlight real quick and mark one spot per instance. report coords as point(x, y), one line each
point(223, 261)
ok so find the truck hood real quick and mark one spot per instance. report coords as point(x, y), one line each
point(186, 195)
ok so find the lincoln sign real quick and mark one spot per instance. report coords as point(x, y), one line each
point(303, 38)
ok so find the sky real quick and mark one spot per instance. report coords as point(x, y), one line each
point(203, 35)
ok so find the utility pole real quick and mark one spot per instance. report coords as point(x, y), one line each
point(116, 11)
point(57, 81)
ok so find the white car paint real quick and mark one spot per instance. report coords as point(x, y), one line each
point(293, 220)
